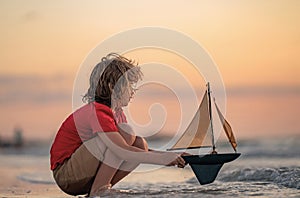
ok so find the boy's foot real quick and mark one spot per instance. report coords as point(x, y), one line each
point(104, 191)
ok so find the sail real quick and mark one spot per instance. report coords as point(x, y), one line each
point(198, 128)
point(227, 129)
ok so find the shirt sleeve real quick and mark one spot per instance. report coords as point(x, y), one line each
point(120, 116)
point(103, 121)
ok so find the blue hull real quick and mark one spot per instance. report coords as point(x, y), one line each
point(207, 167)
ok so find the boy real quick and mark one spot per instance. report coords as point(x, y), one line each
point(94, 147)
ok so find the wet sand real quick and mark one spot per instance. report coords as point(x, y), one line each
point(12, 186)
point(14, 169)
point(30, 176)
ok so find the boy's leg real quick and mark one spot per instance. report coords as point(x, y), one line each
point(113, 169)
point(106, 171)
point(110, 164)
point(128, 167)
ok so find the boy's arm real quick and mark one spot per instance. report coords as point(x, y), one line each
point(155, 151)
point(115, 142)
point(179, 153)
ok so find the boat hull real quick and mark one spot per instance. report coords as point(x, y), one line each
point(207, 167)
point(211, 158)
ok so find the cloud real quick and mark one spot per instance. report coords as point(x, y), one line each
point(35, 89)
point(58, 88)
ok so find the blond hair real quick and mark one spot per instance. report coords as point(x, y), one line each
point(112, 74)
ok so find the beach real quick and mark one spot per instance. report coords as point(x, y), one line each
point(266, 168)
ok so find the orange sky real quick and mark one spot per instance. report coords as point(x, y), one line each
point(254, 43)
point(259, 39)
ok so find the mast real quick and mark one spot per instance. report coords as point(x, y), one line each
point(211, 119)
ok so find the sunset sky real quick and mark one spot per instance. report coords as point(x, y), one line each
point(255, 44)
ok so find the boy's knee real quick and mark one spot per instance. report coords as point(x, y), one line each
point(127, 133)
point(141, 143)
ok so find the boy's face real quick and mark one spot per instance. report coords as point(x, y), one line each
point(128, 93)
point(125, 95)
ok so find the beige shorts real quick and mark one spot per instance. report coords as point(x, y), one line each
point(76, 175)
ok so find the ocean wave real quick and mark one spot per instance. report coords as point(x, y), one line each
point(285, 176)
point(270, 153)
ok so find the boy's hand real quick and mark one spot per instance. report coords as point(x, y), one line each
point(183, 154)
point(179, 161)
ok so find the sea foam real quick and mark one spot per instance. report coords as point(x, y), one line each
point(285, 176)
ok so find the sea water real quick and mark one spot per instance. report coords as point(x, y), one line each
point(266, 168)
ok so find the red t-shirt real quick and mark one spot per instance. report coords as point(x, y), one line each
point(80, 126)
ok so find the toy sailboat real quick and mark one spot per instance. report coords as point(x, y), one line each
point(205, 167)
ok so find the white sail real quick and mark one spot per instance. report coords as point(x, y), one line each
point(201, 127)
point(195, 133)
point(227, 128)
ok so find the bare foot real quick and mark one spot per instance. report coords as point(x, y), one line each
point(100, 190)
